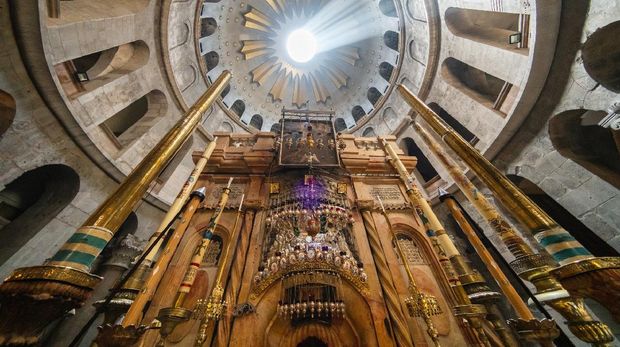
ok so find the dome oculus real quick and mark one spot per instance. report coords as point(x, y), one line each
point(301, 45)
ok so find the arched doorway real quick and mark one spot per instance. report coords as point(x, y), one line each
point(312, 342)
point(31, 201)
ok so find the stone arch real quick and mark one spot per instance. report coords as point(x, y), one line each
point(136, 119)
point(385, 70)
point(225, 127)
point(369, 132)
point(358, 113)
point(601, 53)
point(208, 26)
point(390, 118)
point(340, 125)
point(7, 111)
point(31, 201)
point(187, 76)
point(424, 168)
point(212, 59)
point(257, 121)
point(374, 95)
point(481, 86)
point(588, 238)
point(180, 35)
point(388, 8)
point(391, 38)
point(488, 27)
point(238, 107)
point(453, 123)
point(577, 136)
point(97, 69)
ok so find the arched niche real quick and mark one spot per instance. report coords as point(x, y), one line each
point(358, 113)
point(207, 26)
point(388, 8)
point(212, 59)
point(424, 168)
point(256, 121)
point(601, 54)
point(31, 201)
point(340, 125)
point(589, 239)
point(214, 252)
point(453, 123)
point(225, 127)
point(7, 111)
point(136, 119)
point(577, 136)
point(369, 132)
point(225, 91)
point(385, 70)
point(390, 118)
point(373, 95)
point(488, 27)
point(391, 38)
point(238, 107)
point(481, 86)
point(97, 69)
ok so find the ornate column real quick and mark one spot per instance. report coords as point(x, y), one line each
point(234, 281)
point(443, 245)
point(531, 267)
point(398, 320)
point(580, 272)
point(41, 294)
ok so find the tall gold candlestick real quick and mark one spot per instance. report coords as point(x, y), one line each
point(444, 246)
point(150, 283)
point(172, 316)
point(215, 305)
point(424, 305)
point(41, 294)
point(549, 290)
point(579, 270)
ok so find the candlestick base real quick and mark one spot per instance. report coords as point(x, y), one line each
point(119, 336)
point(542, 331)
point(171, 317)
point(595, 278)
point(33, 297)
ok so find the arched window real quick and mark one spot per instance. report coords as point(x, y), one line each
point(369, 132)
point(276, 128)
point(601, 54)
point(374, 95)
point(424, 167)
point(238, 107)
point(452, 122)
point(94, 70)
point(207, 26)
point(477, 84)
point(7, 111)
point(577, 136)
point(340, 125)
point(385, 70)
point(212, 59)
point(31, 201)
point(488, 27)
point(390, 38)
point(358, 113)
point(388, 8)
point(257, 121)
point(137, 118)
point(589, 239)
